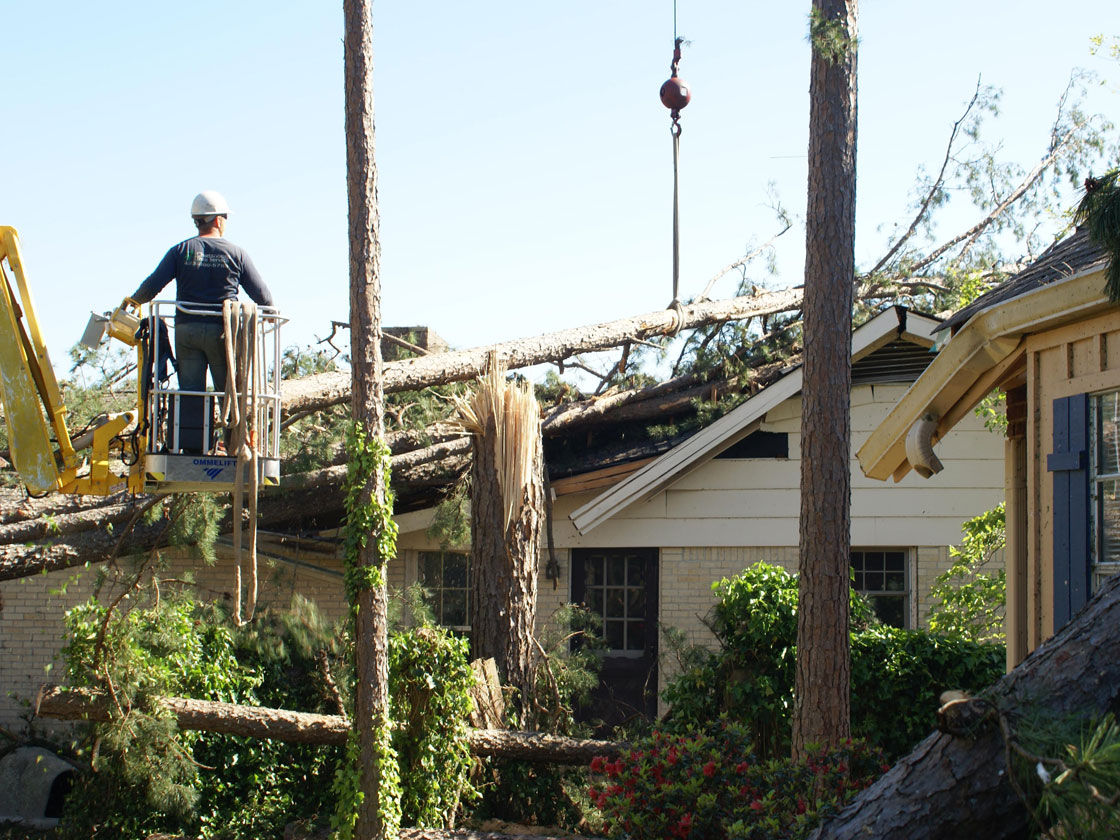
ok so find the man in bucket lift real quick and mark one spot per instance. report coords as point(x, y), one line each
point(208, 269)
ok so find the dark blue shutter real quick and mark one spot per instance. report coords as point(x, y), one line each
point(1069, 462)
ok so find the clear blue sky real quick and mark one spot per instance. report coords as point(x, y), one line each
point(524, 158)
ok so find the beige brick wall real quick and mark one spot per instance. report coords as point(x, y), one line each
point(32, 609)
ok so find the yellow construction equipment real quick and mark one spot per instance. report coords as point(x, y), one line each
point(169, 443)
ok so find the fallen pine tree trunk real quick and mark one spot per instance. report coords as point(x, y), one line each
point(321, 390)
point(304, 728)
point(950, 786)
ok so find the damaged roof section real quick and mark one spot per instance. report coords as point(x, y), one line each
point(1073, 255)
point(894, 346)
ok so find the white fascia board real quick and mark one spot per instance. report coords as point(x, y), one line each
point(731, 428)
point(981, 344)
point(416, 520)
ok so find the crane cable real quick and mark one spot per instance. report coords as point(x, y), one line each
point(675, 95)
point(241, 404)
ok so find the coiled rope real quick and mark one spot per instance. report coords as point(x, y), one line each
point(239, 419)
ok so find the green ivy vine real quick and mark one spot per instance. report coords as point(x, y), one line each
point(367, 514)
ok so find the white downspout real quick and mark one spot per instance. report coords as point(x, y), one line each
point(919, 446)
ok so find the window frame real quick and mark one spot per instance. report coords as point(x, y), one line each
point(437, 592)
point(1100, 569)
point(906, 594)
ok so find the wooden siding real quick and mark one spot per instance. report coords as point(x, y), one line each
point(1079, 358)
point(754, 502)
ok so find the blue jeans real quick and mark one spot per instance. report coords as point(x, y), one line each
point(198, 345)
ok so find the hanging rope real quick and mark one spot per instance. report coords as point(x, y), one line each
point(238, 417)
point(675, 95)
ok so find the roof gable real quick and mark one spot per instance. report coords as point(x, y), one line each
point(885, 332)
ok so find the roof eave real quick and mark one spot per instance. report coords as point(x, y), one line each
point(982, 344)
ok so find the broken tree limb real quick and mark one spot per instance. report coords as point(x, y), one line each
point(951, 787)
point(62, 703)
point(326, 389)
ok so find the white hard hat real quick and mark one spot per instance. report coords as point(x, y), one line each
point(209, 203)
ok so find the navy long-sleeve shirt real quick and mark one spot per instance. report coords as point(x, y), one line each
point(207, 270)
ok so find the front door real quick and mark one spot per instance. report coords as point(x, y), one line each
point(620, 586)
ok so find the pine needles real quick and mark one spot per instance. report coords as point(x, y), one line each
point(1099, 210)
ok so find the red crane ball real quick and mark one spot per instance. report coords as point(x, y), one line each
point(675, 93)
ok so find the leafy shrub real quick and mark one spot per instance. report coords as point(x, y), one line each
point(971, 596)
point(429, 688)
point(897, 675)
point(148, 779)
point(153, 778)
point(708, 784)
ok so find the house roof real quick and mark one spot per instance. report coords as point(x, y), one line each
point(1065, 284)
point(1073, 255)
point(879, 353)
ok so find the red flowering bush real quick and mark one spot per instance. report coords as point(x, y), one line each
point(708, 785)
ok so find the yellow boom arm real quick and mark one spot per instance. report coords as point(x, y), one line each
point(32, 402)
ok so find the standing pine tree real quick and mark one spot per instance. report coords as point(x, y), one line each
point(821, 711)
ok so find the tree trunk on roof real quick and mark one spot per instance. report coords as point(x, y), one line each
point(325, 389)
point(821, 706)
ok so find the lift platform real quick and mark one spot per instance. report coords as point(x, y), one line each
point(184, 438)
point(172, 441)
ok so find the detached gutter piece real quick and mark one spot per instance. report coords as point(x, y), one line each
point(919, 446)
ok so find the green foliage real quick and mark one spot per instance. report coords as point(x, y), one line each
point(707, 783)
point(549, 794)
point(147, 776)
point(153, 778)
point(898, 676)
point(971, 596)
point(313, 441)
point(755, 620)
point(429, 684)
point(751, 680)
point(1099, 210)
point(366, 514)
point(195, 522)
point(1081, 788)
point(830, 38)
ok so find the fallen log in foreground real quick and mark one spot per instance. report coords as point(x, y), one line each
point(951, 787)
point(63, 703)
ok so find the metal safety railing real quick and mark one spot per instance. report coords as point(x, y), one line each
point(182, 421)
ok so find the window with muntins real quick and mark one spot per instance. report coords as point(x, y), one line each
point(881, 576)
point(616, 590)
point(446, 577)
point(1104, 485)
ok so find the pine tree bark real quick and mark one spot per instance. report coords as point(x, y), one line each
point(504, 563)
point(371, 702)
point(61, 703)
point(821, 711)
point(322, 390)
